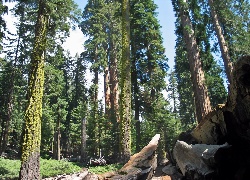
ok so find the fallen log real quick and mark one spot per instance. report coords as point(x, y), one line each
point(230, 122)
point(212, 129)
point(91, 176)
point(227, 123)
point(172, 171)
point(199, 161)
point(75, 176)
point(233, 118)
point(140, 166)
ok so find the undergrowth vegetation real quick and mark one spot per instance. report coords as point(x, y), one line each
point(9, 169)
point(103, 169)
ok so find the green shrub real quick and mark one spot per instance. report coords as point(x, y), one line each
point(103, 169)
point(50, 168)
point(9, 169)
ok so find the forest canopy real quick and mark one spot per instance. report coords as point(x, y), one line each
point(45, 92)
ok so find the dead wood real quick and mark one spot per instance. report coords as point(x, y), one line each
point(140, 166)
point(199, 160)
point(212, 129)
point(229, 123)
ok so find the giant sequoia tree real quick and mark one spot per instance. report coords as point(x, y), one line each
point(223, 45)
point(66, 101)
point(211, 68)
point(199, 16)
point(202, 101)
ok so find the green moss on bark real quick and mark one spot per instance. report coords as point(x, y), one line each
point(125, 105)
point(32, 128)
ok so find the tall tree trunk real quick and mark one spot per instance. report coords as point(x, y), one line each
point(114, 82)
point(136, 98)
point(125, 108)
point(9, 103)
point(66, 137)
point(7, 109)
point(31, 140)
point(57, 138)
point(95, 101)
point(151, 69)
point(202, 101)
point(107, 92)
point(83, 140)
point(114, 96)
point(6, 125)
point(96, 78)
point(223, 46)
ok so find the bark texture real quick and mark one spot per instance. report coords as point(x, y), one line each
point(136, 102)
point(107, 92)
point(32, 129)
point(83, 140)
point(202, 101)
point(198, 161)
point(125, 99)
point(140, 166)
point(229, 123)
point(223, 45)
point(213, 129)
point(114, 98)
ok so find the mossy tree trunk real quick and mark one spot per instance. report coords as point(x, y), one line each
point(31, 138)
point(125, 100)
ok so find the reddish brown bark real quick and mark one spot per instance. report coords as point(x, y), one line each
point(107, 92)
point(114, 93)
point(223, 45)
point(202, 101)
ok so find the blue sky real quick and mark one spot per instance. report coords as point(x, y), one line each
point(75, 42)
point(166, 19)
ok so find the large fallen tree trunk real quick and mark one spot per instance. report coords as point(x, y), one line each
point(199, 161)
point(140, 166)
point(229, 123)
point(233, 118)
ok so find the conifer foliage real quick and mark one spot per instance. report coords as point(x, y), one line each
point(113, 96)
